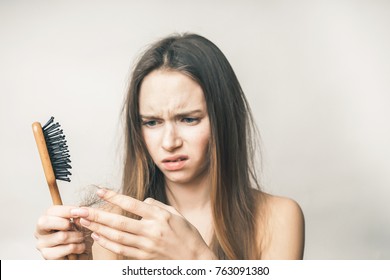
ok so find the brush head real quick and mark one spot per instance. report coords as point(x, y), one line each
point(58, 150)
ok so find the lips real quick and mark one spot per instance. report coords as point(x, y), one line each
point(175, 162)
point(175, 158)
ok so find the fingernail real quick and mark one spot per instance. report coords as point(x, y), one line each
point(101, 192)
point(95, 236)
point(79, 212)
point(84, 222)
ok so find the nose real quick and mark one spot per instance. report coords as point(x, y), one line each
point(171, 138)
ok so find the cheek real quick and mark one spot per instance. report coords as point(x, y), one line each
point(150, 142)
point(201, 140)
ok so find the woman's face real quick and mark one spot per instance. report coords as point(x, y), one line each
point(175, 125)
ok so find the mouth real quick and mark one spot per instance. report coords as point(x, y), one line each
point(175, 159)
point(175, 163)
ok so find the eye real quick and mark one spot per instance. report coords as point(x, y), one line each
point(150, 123)
point(190, 120)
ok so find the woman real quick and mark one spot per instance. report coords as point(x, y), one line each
point(189, 186)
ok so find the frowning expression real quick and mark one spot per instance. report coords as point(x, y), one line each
point(175, 125)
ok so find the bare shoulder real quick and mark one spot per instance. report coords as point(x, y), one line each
point(281, 227)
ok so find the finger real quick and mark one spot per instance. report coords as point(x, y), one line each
point(60, 238)
point(127, 203)
point(121, 250)
point(60, 211)
point(111, 220)
point(47, 224)
point(60, 252)
point(154, 202)
point(114, 235)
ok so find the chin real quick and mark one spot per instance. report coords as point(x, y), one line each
point(184, 179)
point(177, 179)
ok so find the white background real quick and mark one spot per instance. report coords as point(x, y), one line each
point(316, 74)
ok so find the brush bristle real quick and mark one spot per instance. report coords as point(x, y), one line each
point(58, 150)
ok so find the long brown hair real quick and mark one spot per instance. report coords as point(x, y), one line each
point(231, 150)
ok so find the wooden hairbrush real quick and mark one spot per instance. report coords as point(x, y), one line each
point(55, 158)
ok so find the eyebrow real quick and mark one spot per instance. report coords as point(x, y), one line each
point(181, 114)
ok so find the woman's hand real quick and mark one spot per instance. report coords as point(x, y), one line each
point(161, 233)
point(57, 237)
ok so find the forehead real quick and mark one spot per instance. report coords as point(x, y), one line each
point(167, 91)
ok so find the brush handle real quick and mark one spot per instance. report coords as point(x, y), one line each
point(48, 168)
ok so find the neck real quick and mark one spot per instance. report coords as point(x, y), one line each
point(193, 202)
point(189, 197)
